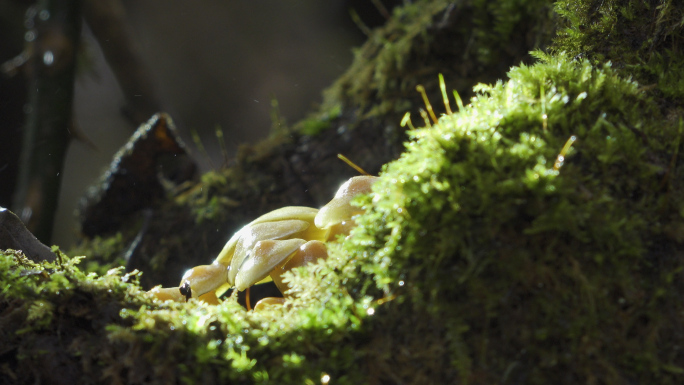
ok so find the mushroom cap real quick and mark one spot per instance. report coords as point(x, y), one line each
point(339, 208)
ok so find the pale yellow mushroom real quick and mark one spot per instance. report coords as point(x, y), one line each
point(274, 243)
point(265, 257)
point(268, 302)
point(173, 294)
point(167, 293)
point(243, 261)
point(339, 208)
point(309, 252)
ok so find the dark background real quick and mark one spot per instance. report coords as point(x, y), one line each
point(213, 63)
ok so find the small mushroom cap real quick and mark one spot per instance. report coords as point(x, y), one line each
point(290, 212)
point(167, 293)
point(252, 234)
point(339, 208)
point(343, 228)
point(307, 253)
point(205, 278)
point(209, 298)
point(174, 294)
point(267, 302)
point(263, 258)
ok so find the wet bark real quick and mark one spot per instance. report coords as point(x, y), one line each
point(54, 35)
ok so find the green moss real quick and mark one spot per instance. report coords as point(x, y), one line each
point(52, 313)
point(627, 32)
point(470, 41)
point(664, 71)
point(619, 28)
point(551, 274)
point(104, 253)
point(321, 121)
point(207, 200)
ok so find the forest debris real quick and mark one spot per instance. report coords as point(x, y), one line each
point(133, 181)
point(14, 235)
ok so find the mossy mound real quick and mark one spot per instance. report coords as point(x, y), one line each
point(537, 269)
point(483, 258)
point(54, 319)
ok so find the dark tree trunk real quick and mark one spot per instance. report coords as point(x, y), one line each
point(55, 27)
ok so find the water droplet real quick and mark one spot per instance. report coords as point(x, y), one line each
point(48, 58)
point(325, 378)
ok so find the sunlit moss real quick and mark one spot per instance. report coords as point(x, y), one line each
point(476, 229)
point(467, 41)
point(103, 253)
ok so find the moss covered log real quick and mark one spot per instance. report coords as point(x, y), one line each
point(532, 236)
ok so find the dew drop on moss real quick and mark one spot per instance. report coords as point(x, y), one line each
point(325, 378)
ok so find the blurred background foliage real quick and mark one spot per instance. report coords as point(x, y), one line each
point(209, 64)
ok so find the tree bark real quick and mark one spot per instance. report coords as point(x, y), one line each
point(54, 38)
